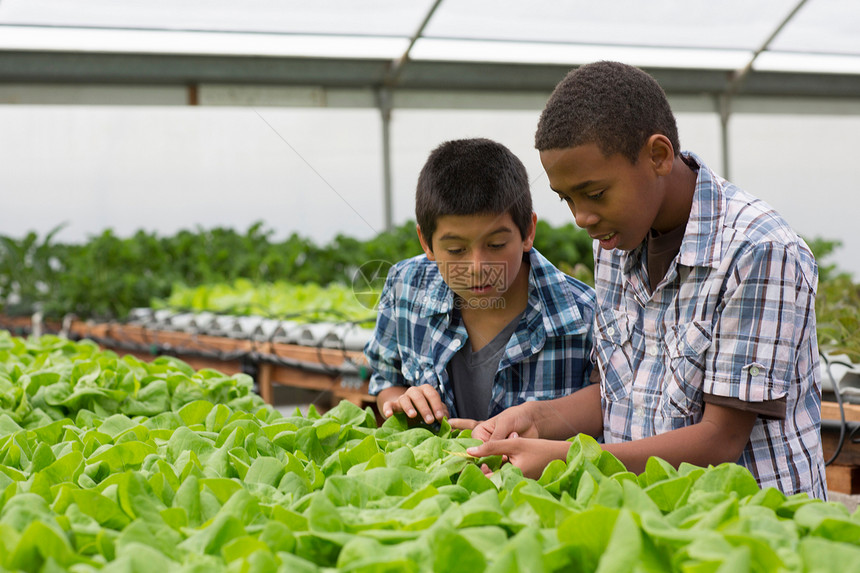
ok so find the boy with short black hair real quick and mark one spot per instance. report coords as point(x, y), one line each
point(705, 332)
point(481, 321)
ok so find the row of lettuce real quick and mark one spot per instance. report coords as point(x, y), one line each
point(113, 464)
point(837, 306)
point(305, 303)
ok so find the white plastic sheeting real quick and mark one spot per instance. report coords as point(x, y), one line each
point(692, 34)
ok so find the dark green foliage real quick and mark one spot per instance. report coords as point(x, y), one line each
point(568, 247)
point(837, 306)
point(108, 275)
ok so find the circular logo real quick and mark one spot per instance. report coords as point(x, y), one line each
point(367, 283)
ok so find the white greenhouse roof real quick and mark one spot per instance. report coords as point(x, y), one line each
point(789, 47)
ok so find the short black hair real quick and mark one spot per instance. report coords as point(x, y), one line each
point(472, 177)
point(614, 105)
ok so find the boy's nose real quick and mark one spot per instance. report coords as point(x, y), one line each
point(585, 218)
point(478, 257)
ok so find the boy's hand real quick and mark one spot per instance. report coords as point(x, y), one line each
point(515, 421)
point(530, 455)
point(421, 400)
point(556, 419)
point(463, 423)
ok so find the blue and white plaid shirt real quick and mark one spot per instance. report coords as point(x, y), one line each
point(418, 330)
point(734, 317)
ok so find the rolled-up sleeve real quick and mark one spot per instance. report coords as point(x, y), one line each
point(768, 301)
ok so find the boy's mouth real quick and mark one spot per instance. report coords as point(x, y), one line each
point(608, 241)
point(604, 237)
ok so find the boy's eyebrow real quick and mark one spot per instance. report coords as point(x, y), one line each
point(455, 237)
point(578, 187)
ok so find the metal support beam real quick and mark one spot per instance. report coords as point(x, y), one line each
point(725, 99)
point(722, 105)
point(386, 103)
point(383, 98)
point(150, 71)
point(393, 75)
point(740, 75)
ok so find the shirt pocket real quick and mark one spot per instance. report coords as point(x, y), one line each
point(686, 346)
point(613, 347)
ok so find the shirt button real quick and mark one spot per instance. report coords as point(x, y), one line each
point(754, 371)
point(455, 344)
point(610, 331)
point(653, 351)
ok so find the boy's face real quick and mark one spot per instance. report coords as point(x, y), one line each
point(616, 201)
point(480, 257)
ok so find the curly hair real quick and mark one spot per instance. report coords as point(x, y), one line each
point(472, 177)
point(614, 105)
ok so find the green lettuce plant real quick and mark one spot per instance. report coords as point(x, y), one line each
point(208, 478)
point(306, 302)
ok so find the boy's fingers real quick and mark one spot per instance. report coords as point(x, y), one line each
point(462, 423)
point(489, 449)
point(502, 430)
point(439, 410)
point(406, 405)
point(483, 430)
point(421, 401)
point(389, 407)
point(415, 403)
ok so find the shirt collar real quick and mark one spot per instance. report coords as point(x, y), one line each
point(702, 242)
point(551, 294)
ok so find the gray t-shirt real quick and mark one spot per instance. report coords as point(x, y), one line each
point(472, 373)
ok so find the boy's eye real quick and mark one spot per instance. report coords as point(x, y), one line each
point(594, 196)
point(563, 198)
point(454, 251)
point(498, 246)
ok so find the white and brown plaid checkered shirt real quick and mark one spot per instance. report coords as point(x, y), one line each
point(734, 318)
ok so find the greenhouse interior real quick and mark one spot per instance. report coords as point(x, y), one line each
point(204, 204)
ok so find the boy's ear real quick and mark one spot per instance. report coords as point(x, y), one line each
point(529, 239)
point(661, 153)
point(425, 244)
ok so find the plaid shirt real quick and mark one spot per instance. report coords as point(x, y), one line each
point(733, 317)
point(418, 330)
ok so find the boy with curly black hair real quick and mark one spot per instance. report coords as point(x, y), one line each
point(705, 336)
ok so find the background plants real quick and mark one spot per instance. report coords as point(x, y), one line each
point(837, 306)
point(108, 275)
